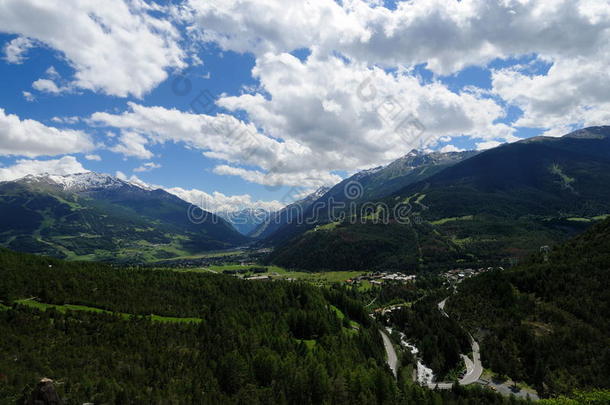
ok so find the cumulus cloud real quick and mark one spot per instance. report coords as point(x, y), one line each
point(132, 144)
point(31, 138)
point(573, 36)
point(451, 148)
point(28, 96)
point(487, 145)
point(447, 35)
point(572, 91)
point(120, 49)
point(321, 115)
point(355, 101)
point(146, 167)
point(219, 137)
point(48, 86)
point(220, 203)
point(372, 113)
point(97, 158)
point(15, 51)
point(309, 179)
point(24, 167)
point(216, 201)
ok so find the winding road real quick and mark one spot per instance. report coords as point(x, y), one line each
point(474, 368)
point(391, 353)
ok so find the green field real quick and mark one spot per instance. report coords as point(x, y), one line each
point(452, 219)
point(592, 219)
point(353, 324)
point(182, 256)
point(277, 272)
point(68, 307)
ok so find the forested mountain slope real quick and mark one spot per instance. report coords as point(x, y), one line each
point(546, 322)
point(365, 186)
point(213, 339)
point(96, 216)
point(495, 207)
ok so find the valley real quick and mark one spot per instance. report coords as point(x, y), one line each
point(489, 287)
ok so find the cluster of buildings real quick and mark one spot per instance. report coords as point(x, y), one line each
point(378, 278)
point(457, 275)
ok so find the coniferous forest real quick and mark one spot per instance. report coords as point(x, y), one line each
point(546, 321)
point(120, 335)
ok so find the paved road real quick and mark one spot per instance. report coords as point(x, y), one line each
point(441, 307)
point(474, 368)
point(391, 353)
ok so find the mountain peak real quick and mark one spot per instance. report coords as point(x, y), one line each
point(78, 182)
point(599, 132)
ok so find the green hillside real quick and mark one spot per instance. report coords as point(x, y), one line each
point(214, 339)
point(496, 207)
point(123, 223)
point(546, 322)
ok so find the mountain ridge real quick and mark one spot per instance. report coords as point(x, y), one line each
point(92, 216)
point(497, 205)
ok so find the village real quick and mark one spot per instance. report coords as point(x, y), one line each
point(380, 277)
point(456, 276)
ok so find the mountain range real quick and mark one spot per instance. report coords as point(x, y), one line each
point(91, 216)
point(470, 208)
point(366, 186)
point(500, 204)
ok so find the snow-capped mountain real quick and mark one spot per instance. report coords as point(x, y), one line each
point(370, 185)
point(80, 182)
point(284, 216)
point(247, 219)
point(98, 216)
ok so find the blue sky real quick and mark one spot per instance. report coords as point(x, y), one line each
point(118, 91)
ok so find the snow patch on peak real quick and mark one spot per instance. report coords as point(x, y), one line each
point(87, 181)
point(320, 192)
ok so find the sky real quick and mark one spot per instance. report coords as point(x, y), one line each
point(235, 104)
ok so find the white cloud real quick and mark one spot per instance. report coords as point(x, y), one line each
point(374, 117)
point(52, 72)
point(119, 49)
point(15, 50)
point(146, 167)
point(487, 145)
point(133, 179)
point(132, 144)
point(310, 179)
point(97, 158)
point(574, 91)
point(28, 96)
point(321, 116)
point(219, 202)
point(220, 137)
point(451, 148)
point(446, 34)
point(47, 86)
point(66, 120)
point(32, 138)
point(23, 167)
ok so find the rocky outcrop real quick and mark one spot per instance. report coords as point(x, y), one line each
point(44, 394)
